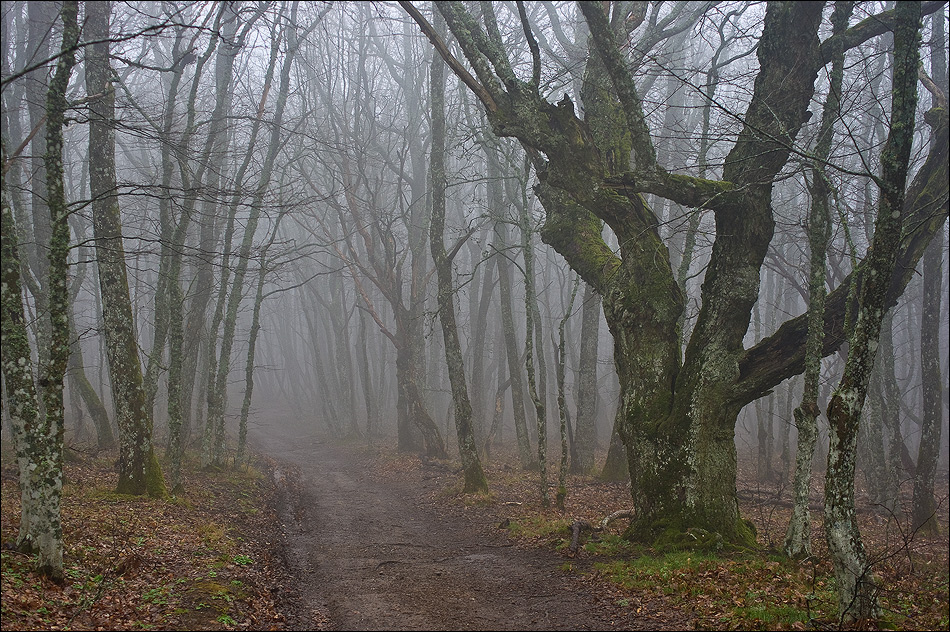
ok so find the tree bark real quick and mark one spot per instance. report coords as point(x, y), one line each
point(139, 470)
point(585, 424)
point(561, 401)
point(798, 535)
point(475, 481)
point(924, 512)
point(924, 499)
point(857, 587)
point(38, 431)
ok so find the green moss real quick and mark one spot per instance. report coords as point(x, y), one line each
point(154, 481)
point(609, 544)
point(678, 534)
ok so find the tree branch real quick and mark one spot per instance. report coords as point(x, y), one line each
point(483, 95)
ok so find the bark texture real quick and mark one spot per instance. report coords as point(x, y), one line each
point(475, 480)
point(857, 587)
point(139, 470)
point(798, 535)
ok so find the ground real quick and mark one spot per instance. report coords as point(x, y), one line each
point(318, 535)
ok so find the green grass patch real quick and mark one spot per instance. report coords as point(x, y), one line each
point(610, 544)
point(733, 591)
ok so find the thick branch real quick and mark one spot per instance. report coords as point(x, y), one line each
point(870, 27)
point(925, 209)
point(603, 38)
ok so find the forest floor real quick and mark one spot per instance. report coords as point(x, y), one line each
point(317, 535)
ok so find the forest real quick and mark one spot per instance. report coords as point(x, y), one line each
point(637, 281)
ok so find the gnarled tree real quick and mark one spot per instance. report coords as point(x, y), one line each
point(677, 417)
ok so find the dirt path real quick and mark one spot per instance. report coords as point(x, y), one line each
point(370, 553)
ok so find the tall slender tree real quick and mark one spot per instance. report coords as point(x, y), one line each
point(139, 469)
point(38, 420)
point(798, 535)
point(857, 588)
point(471, 465)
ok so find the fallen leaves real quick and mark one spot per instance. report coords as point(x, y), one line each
point(202, 560)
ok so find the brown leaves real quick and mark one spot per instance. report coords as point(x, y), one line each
point(199, 561)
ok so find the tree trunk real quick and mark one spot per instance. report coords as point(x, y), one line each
point(561, 402)
point(78, 382)
point(17, 363)
point(585, 434)
point(39, 433)
point(857, 587)
point(139, 471)
point(512, 348)
point(798, 535)
point(534, 342)
point(471, 466)
point(924, 513)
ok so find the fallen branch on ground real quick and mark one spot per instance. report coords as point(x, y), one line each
point(581, 526)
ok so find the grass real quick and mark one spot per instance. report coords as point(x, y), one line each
point(749, 589)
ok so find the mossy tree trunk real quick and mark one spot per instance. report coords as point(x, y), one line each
point(857, 588)
point(677, 420)
point(42, 17)
point(924, 499)
point(139, 470)
point(471, 465)
point(17, 363)
point(38, 430)
point(798, 535)
point(47, 454)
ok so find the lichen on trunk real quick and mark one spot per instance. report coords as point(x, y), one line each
point(139, 471)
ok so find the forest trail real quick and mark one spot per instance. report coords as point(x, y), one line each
point(373, 553)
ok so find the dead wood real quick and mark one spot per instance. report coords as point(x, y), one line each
point(580, 526)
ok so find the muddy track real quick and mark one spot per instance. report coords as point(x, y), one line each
point(370, 553)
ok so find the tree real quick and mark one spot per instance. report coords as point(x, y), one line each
point(798, 536)
point(217, 394)
point(857, 589)
point(39, 423)
point(924, 500)
point(139, 470)
point(677, 417)
point(585, 433)
point(471, 466)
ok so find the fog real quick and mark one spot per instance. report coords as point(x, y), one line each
point(279, 154)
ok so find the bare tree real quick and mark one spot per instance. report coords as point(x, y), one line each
point(139, 470)
point(678, 416)
point(471, 465)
